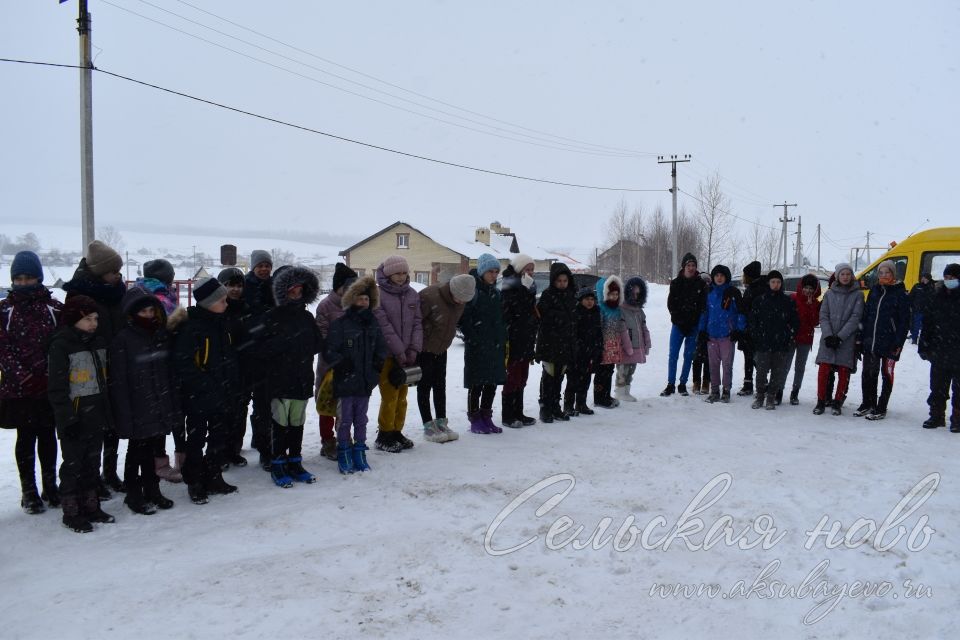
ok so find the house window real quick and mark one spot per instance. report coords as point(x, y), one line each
point(361, 272)
point(403, 241)
point(422, 277)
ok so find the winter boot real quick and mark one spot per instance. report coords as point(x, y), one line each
point(91, 508)
point(705, 388)
point(50, 491)
point(179, 458)
point(432, 433)
point(583, 409)
point(876, 414)
point(278, 471)
point(72, 518)
point(779, 397)
point(477, 424)
point(387, 441)
point(345, 458)
point(771, 403)
point(606, 403)
point(714, 396)
point(134, 498)
point(696, 387)
point(266, 462)
point(110, 477)
point(405, 442)
point(30, 501)
point(757, 402)
point(152, 494)
point(508, 410)
point(568, 407)
point(103, 491)
point(862, 410)
point(746, 389)
point(934, 421)
point(444, 427)
point(236, 460)
point(837, 407)
point(682, 390)
point(216, 485)
point(546, 414)
point(559, 414)
point(487, 416)
point(623, 394)
point(954, 426)
point(328, 449)
point(820, 408)
point(197, 493)
point(524, 419)
point(725, 396)
point(164, 471)
point(297, 472)
point(795, 397)
point(669, 391)
point(359, 454)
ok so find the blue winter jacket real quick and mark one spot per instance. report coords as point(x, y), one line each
point(886, 320)
point(722, 314)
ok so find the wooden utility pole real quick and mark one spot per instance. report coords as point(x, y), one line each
point(673, 160)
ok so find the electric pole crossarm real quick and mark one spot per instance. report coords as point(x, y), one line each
point(785, 220)
point(673, 160)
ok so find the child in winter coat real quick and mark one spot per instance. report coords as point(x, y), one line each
point(329, 309)
point(356, 352)
point(441, 306)
point(519, 292)
point(402, 327)
point(840, 316)
point(484, 339)
point(755, 286)
point(238, 317)
point(701, 361)
point(587, 354)
point(145, 399)
point(158, 277)
point(636, 322)
point(556, 339)
point(98, 277)
point(77, 390)
point(258, 294)
point(207, 367)
point(773, 326)
point(884, 328)
point(28, 317)
point(685, 302)
point(807, 300)
point(291, 340)
point(940, 345)
point(723, 324)
point(616, 340)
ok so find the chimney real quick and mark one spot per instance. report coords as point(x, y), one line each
point(482, 235)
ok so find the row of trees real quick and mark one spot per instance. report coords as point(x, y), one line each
point(641, 241)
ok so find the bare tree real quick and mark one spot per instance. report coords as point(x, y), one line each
point(713, 215)
point(110, 236)
point(282, 257)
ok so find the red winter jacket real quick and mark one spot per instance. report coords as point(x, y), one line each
point(809, 313)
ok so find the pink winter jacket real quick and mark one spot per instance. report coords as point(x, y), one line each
point(399, 319)
point(328, 310)
point(639, 336)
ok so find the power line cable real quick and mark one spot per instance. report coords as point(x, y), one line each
point(334, 136)
point(533, 140)
point(410, 91)
point(729, 213)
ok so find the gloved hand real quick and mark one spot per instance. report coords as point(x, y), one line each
point(397, 376)
point(411, 357)
point(832, 342)
point(737, 336)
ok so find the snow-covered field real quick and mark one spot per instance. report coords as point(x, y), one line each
point(400, 552)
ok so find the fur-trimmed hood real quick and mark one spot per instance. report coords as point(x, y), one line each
point(641, 297)
point(603, 291)
point(367, 285)
point(289, 276)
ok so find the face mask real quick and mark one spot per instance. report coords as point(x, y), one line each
point(526, 280)
point(951, 284)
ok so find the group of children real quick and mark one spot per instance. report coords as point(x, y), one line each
point(125, 362)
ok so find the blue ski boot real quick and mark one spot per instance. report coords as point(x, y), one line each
point(278, 471)
point(360, 456)
point(345, 459)
point(297, 472)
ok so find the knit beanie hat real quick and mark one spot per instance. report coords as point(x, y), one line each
point(343, 276)
point(521, 260)
point(394, 265)
point(586, 292)
point(952, 269)
point(887, 264)
point(76, 308)
point(487, 262)
point(230, 275)
point(809, 280)
point(26, 263)
point(159, 269)
point(775, 275)
point(259, 256)
point(842, 266)
point(752, 270)
point(689, 257)
point(102, 260)
point(463, 287)
point(208, 292)
point(725, 270)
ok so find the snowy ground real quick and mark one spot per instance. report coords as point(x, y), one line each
point(399, 552)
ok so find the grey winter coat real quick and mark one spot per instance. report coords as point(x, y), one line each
point(840, 316)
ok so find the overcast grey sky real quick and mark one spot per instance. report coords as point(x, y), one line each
point(847, 108)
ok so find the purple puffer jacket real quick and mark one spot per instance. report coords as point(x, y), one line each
point(27, 319)
point(329, 309)
point(399, 318)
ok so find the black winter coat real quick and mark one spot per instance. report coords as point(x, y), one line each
point(206, 364)
point(484, 337)
point(886, 320)
point(920, 296)
point(754, 291)
point(940, 334)
point(143, 389)
point(589, 342)
point(109, 297)
point(556, 339)
point(292, 338)
point(356, 350)
point(77, 385)
point(257, 293)
point(686, 302)
point(773, 322)
point(519, 316)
